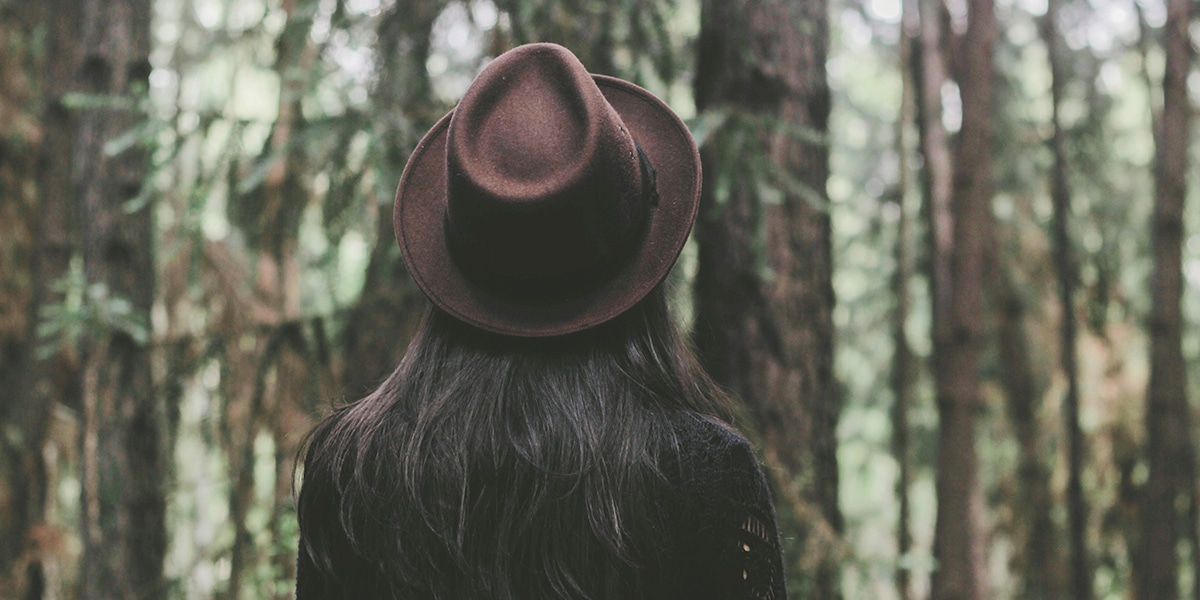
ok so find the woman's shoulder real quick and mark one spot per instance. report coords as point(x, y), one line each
point(715, 457)
point(704, 436)
point(734, 549)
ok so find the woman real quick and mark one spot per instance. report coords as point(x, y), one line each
point(547, 434)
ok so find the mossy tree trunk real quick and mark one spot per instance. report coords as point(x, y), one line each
point(24, 415)
point(124, 461)
point(763, 290)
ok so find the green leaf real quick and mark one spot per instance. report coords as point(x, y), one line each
point(795, 187)
point(143, 134)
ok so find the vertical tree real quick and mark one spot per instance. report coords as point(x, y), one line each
point(937, 174)
point(51, 365)
point(763, 290)
point(124, 462)
point(938, 163)
point(1014, 266)
point(390, 305)
point(586, 28)
point(1037, 560)
point(1060, 192)
point(903, 364)
point(599, 33)
point(22, 417)
point(270, 214)
point(903, 360)
point(958, 540)
point(931, 74)
point(1170, 453)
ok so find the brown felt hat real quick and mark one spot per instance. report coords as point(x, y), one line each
point(550, 200)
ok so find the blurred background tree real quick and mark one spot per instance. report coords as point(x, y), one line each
point(946, 261)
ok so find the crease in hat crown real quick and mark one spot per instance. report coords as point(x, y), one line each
point(531, 208)
point(544, 186)
point(505, 85)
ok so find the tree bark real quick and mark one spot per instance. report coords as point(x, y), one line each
point(124, 462)
point(763, 291)
point(1170, 453)
point(585, 27)
point(1081, 575)
point(280, 385)
point(958, 535)
point(23, 419)
point(930, 70)
point(390, 306)
point(49, 377)
point(295, 385)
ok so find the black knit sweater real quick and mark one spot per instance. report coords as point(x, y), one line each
point(722, 543)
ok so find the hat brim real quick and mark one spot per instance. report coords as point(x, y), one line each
point(420, 209)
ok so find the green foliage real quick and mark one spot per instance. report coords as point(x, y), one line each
point(82, 101)
point(88, 311)
point(738, 160)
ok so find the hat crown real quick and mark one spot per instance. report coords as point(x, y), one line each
point(549, 201)
point(544, 189)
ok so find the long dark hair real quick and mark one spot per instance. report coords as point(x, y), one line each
point(497, 467)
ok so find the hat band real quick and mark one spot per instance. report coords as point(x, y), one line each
point(649, 177)
point(464, 249)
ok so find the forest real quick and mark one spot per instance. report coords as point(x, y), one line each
point(945, 263)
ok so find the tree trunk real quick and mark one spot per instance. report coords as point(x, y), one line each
point(903, 361)
point(1081, 575)
point(903, 365)
point(1171, 483)
point(938, 173)
point(279, 386)
point(240, 434)
point(958, 535)
point(764, 298)
point(50, 376)
point(23, 419)
point(585, 27)
point(124, 462)
point(1039, 562)
point(390, 306)
point(296, 382)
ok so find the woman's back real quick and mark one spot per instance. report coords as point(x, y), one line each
point(710, 530)
point(546, 434)
point(568, 467)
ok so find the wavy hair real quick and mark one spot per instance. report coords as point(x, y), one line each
point(489, 466)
